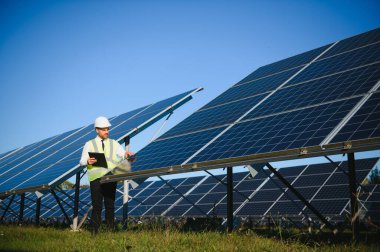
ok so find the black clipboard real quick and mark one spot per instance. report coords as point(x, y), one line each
point(100, 159)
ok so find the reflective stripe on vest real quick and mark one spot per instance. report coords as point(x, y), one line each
point(110, 150)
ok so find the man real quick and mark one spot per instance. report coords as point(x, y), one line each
point(114, 154)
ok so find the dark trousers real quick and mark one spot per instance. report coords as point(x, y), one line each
point(99, 192)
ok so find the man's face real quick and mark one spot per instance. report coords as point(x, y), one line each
point(102, 132)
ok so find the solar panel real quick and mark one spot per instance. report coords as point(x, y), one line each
point(312, 103)
point(318, 185)
point(51, 161)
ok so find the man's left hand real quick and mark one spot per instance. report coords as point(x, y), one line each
point(128, 155)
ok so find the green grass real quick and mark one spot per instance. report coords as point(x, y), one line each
point(28, 238)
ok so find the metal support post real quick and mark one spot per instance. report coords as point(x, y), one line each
point(230, 201)
point(127, 141)
point(38, 211)
point(76, 202)
point(6, 209)
point(125, 204)
point(60, 206)
point(353, 196)
point(22, 206)
point(295, 192)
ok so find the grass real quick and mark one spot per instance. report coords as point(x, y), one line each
point(29, 238)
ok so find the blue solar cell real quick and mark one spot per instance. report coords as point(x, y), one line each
point(306, 192)
point(163, 190)
point(172, 151)
point(214, 117)
point(16, 165)
point(354, 42)
point(126, 116)
point(254, 208)
point(328, 207)
point(152, 200)
point(253, 88)
point(275, 183)
point(338, 86)
point(10, 179)
point(219, 188)
point(319, 168)
point(249, 185)
point(212, 198)
point(356, 58)
point(9, 156)
point(237, 198)
point(178, 210)
point(286, 207)
point(2, 155)
point(184, 188)
point(311, 180)
point(266, 195)
point(159, 106)
point(194, 211)
point(274, 133)
point(221, 209)
point(203, 188)
point(31, 178)
point(291, 171)
point(333, 191)
point(140, 210)
point(338, 178)
point(193, 180)
point(361, 164)
point(156, 210)
point(169, 200)
point(279, 66)
point(237, 177)
point(364, 124)
point(192, 198)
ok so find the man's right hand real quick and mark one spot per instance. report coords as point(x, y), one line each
point(91, 161)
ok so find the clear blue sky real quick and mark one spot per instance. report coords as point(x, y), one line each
point(63, 63)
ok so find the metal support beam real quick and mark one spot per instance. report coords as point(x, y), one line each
point(353, 196)
point(22, 206)
point(183, 196)
point(287, 195)
point(38, 211)
point(6, 209)
point(60, 206)
point(71, 198)
point(295, 192)
point(230, 200)
point(76, 202)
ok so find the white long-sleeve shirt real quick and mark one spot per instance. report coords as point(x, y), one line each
point(120, 153)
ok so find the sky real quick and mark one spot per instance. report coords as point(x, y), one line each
point(63, 63)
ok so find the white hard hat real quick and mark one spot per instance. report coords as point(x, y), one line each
point(102, 122)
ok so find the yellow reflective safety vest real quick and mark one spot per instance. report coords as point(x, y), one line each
point(110, 150)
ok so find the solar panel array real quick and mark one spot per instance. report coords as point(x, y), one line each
point(315, 101)
point(324, 185)
point(49, 162)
